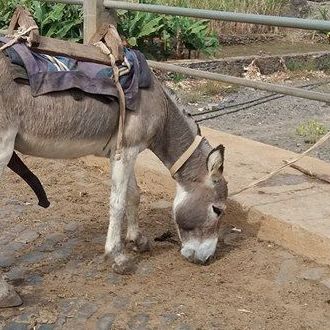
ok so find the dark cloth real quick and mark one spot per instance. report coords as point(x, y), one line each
point(89, 77)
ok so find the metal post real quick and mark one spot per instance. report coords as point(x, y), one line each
point(113, 18)
point(95, 14)
point(92, 17)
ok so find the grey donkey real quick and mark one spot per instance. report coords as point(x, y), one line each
point(60, 126)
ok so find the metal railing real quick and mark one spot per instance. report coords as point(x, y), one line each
point(300, 23)
point(291, 22)
point(292, 91)
point(307, 24)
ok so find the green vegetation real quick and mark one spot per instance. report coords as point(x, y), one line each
point(208, 89)
point(213, 88)
point(296, 65)
point(273, 7)
point(177, 77)
point(266, 7)
point(158, 36)
point(324, 13)
point(311, 131)
point(162, 37)
point(54, 20)
point(192, 97)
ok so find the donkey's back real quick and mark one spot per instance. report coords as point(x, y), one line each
point(71, 124)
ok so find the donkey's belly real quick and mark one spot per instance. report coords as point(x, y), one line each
point(61, 148)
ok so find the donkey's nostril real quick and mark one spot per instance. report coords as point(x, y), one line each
point(217, 210)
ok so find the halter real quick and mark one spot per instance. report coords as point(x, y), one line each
point(186, 155)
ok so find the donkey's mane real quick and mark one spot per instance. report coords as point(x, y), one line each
point(175, 101)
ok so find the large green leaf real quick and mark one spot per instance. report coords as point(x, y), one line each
point(150, 27)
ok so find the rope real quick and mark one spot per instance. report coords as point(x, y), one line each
point(20, 35)
point(122, 105)
point(288, 163)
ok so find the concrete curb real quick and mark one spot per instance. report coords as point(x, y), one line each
point(290, 209)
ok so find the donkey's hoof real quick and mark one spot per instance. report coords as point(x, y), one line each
point(140, 244)
point(123, 265)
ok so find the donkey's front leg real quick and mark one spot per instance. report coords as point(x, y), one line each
point(135, 239)
point(121, 172)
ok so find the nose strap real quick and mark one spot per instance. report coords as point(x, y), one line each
point(186, 155)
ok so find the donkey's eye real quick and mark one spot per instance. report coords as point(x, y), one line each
point(217, 210)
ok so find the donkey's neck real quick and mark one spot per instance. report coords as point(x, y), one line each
point(177, 134)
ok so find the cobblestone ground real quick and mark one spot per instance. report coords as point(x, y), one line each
point(54, 259)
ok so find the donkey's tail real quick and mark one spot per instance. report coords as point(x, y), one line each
point(17, 166)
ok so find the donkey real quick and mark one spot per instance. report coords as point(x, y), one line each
point(57, 125)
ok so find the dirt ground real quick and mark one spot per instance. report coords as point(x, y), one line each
point(54, 258)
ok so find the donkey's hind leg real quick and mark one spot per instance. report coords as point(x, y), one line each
point(7, 142)
point(134, 237)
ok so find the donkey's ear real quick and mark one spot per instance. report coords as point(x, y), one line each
point(215, 162)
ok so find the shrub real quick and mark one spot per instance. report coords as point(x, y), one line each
point(158, 36)
point(311, 131)
point(161, 36)
point(54, 20)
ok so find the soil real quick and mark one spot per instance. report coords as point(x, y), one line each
point(65, 284)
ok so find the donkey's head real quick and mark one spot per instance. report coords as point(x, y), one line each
point(198, 208)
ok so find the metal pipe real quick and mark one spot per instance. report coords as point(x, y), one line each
point(292, 91)
point(300, 23)
point(290, 22)
point(69, 2)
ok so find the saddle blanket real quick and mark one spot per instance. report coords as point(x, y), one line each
point(48, 74)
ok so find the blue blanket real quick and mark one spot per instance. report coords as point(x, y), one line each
point(49, 74)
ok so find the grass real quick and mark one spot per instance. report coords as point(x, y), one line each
point(265, 7)
point(207, 89)
point(213, 88)
point(256, 6)
point(177, 77)
point(308, 65)
point(192, 97)
point(311, 131)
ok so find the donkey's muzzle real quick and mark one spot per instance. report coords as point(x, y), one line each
point(199, 252)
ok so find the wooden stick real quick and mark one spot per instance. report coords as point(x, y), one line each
point(13, 22)
point(281, 168)
point(80, 52)
point(23, 18)
point(109, 35)
point(321, 177)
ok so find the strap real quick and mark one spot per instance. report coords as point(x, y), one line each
point(121, 96)
point(186, 155)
